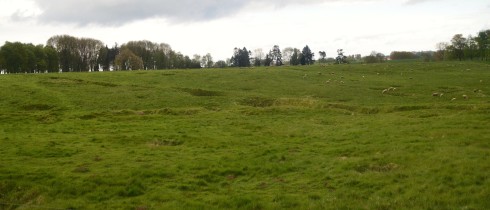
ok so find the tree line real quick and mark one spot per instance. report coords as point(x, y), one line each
point(64, 53)
point(292, 56)
point(71, 54)
point(465, 48)
point(17, 57)
point(472, 47)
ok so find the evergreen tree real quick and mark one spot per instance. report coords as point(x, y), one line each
point(268, 60)
point(307, 56)
point(241, 58)
point(295, 58)
point(276, 56)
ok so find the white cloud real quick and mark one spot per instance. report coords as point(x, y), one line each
point(411, 2)
point(357, 26)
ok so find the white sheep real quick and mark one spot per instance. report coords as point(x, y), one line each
point(453, 99)
point(384, 91)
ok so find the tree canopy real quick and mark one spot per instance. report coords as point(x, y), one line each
point(465, 48)
point(17, 57)
point(241, 57)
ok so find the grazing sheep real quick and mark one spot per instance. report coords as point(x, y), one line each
point(453, 99)
point(436, 94)
point(388, 90)
point(341, 82)
point(465, 97)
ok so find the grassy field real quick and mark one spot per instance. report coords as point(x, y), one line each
point(320, 137)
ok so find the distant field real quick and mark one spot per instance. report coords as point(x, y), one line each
point(319, 137)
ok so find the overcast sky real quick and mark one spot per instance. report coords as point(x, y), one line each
point(217, 26)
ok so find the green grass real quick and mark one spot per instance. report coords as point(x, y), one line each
point(259, 138)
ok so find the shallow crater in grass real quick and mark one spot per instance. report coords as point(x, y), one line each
point(67, 81)
point(257, 101)
point(376, 168)
point(298, 102)
point(81, 169)
point(38, 107)
point(411, 108)
point(135, 113)
point(165, 142)
point(201, 92)
point(351, 108)
point(428, 115)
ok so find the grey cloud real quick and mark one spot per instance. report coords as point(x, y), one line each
point(111, 12)
point(119, 12)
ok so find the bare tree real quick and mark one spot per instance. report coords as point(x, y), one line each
point(258, 56)
point(207, 61)
point(287, 53)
